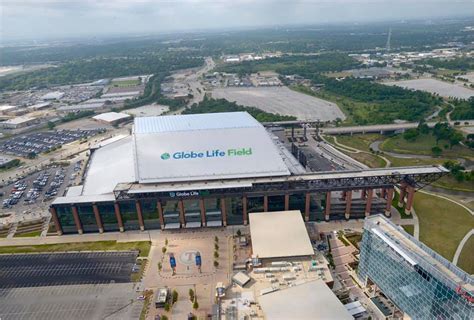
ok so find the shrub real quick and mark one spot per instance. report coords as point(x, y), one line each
point(175, 296)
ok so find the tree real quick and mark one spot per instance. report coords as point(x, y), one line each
point(160, 266)
point(436, 150)
point(195, 305)
point(163, 250)
point(216, 254)
point(191, 295)
point(51, 125)
point(455, 138)
point(167, 307)
point(216, 263)
point(164, 317)
point(239, 233)
point(166, 241)
point(216, 246)
point(216, 239)
point(174, 295)
point(411, 134)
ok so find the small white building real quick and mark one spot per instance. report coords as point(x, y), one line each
point(53, 95)
point(112, 117)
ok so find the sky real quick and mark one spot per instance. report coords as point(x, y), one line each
point(40, 19)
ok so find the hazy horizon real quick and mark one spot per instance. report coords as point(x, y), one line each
point(30, 19)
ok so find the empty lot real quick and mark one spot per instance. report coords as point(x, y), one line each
point(282, 100)
point(435, 86)
point(29, 270)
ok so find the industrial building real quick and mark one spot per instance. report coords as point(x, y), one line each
point(210, 170)
point(409, 280)
point(112, 117)
point(18, 122)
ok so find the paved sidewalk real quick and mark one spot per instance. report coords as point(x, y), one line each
point(461, 245)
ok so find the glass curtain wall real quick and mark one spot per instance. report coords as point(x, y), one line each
point(129, 215)
point(109, 219)
point(87, 217)
point(66, 219)
point(234, 210)
point(150, 214)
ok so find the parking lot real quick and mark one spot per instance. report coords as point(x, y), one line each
point(38, 188)
point(102, 301)
point(35, 143)
point(30, 270)
point(282, 100)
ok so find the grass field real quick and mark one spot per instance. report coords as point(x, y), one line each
point(443, 224)
point(142, 246)
point(28, 234)
point(403, 162)
point(422, 146)
point(409, 228)
point(466, 259)
point(360, 141)
point(126, 83)
point(448, 182)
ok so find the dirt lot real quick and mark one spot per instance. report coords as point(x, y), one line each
point(435, 86)
point(282, 100)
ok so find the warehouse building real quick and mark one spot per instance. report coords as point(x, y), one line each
point(18, 122)
point(210, 170)
point(112, 118)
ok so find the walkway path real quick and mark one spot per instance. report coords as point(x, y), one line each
point(461, 245)
point(348, 149)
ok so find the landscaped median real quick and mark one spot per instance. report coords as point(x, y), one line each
point(142, 246)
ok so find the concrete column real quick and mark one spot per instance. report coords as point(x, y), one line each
point(307, 206)
point(224, 212)
point(203, 212)
point(159, 207)
point(328, 206)
point(403, 191)
point(287, 202)
point(138, 205)
point(54, 216)
point(244, 210)
point(98, 220)
point(348, 204)
point(410, 197)
point(368, 203)
point(119, 216)
point(77, 221)
point(388, 207)
point(182, 219)
point(265, 203)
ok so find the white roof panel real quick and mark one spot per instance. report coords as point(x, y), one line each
point(224, 120)
point(279, 234)
point(309, 301)
point(109, 165)
point(204, 147)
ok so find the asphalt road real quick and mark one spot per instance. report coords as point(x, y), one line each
point(30, 270)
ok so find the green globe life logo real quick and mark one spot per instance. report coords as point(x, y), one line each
point(165, 156)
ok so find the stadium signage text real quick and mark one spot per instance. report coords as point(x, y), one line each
point(216, 153)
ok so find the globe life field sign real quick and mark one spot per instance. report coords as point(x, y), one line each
point(215, 153)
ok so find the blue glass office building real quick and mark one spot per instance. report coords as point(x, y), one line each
point(418, 281)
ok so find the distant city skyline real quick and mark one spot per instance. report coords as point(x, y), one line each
point(40, 19)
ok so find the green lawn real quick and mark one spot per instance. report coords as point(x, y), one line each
point(466, 259)
point(443, 223)
point(142, 246)
point(126, 83)
point(422, 145)
point(404, 162)
point(360, 141)
point(409, 228)
point(448, 182)
point(403, 215)
point(36, 233)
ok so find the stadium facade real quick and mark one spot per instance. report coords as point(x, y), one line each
point(212, 170)
point(417, 280)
